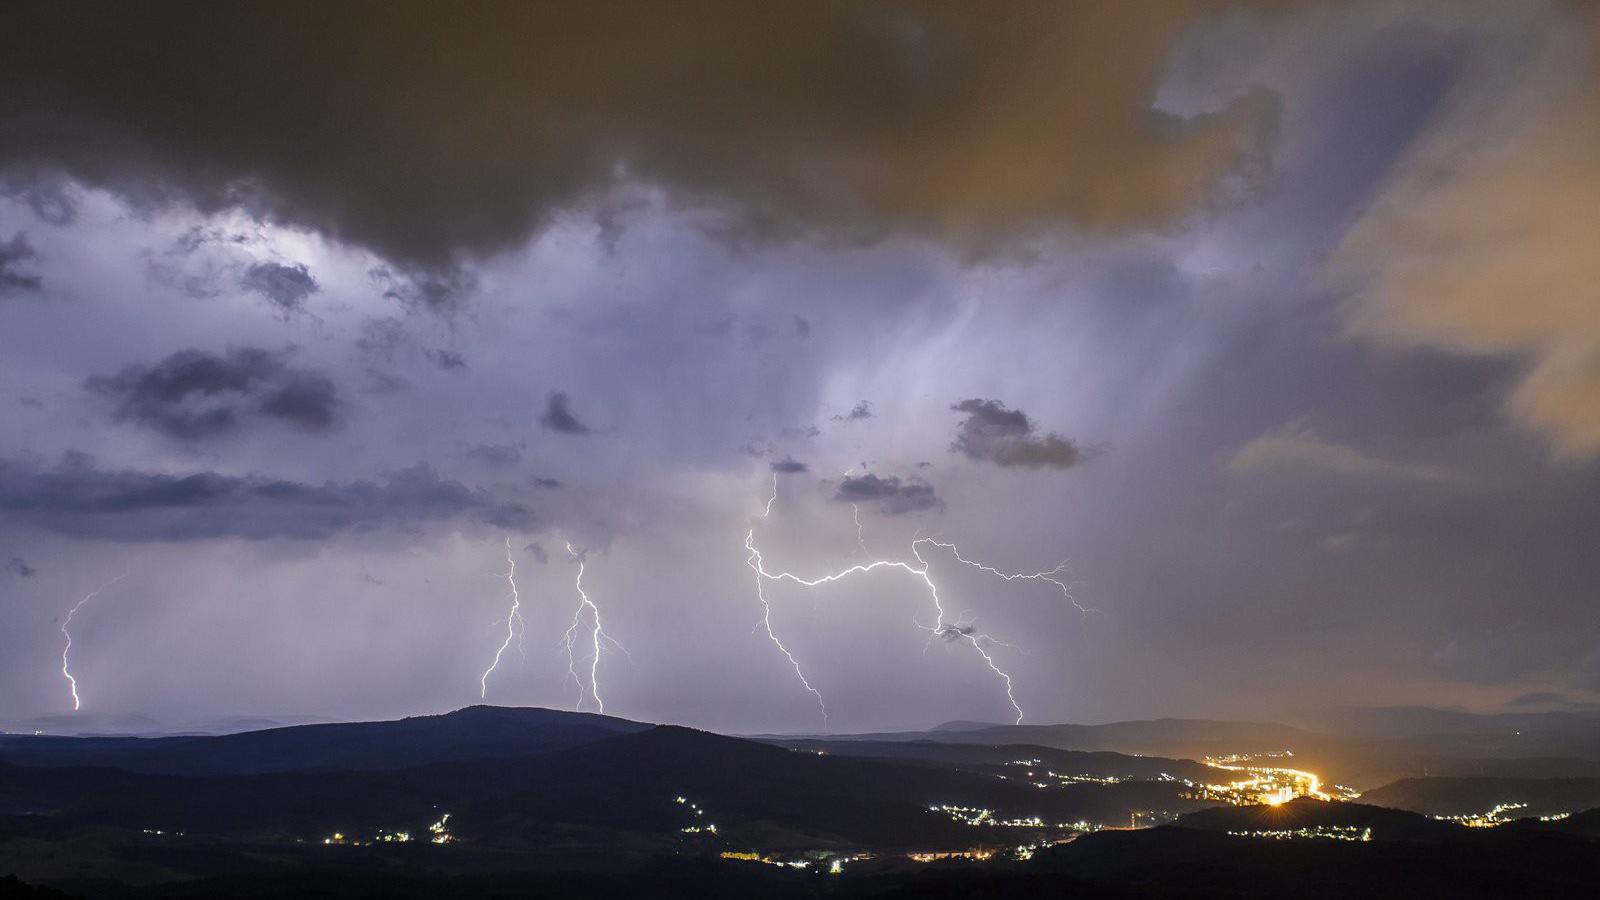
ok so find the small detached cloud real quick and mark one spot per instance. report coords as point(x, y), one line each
point(19, 567)
point(1296, 445)
point(893, 496)
point(286, 287)
point(195, 394)
point(16, 257)
point(547, 484)
point(789, 466)
point(558, 415)
point(1008, 438)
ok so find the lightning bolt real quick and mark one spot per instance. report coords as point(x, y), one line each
point(514, 621)
point(755, 564)
point(597, 635)
point(942, 628)
point(1051, 576)
point(66, 623)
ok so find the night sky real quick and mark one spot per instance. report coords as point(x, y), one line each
point(1278, 322)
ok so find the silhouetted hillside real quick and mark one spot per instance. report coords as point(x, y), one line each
point(999, 758)
point(1186, 862)
point(1465, 796)
point(1306, 813)
point(477, 732)
point(621, 789)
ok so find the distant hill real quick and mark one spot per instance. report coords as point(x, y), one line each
point(618, 789)
point(1306, 813)
point(1462, 796)
point(1174, 862)
point(477, 732)
point(1000, 758)
point(1178, 738)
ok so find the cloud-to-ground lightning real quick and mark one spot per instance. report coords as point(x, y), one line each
point(66, 632)
point(961, 630)
point(597, 636)
point(514, 621)
point(754, 562)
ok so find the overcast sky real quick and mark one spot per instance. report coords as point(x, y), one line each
point(1277, 323)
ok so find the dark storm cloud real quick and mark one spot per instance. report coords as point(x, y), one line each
point(862, 410)
point(193, 394)
point(789, 466)
point(558, 415)
point(537, 551)
point(1006, 437)
point(435, 136)
point(16, 258)
point(893, 496)
point(19, 567)
point(497, 455)
point(286, 286)
point(78, 498)
point(548, 484)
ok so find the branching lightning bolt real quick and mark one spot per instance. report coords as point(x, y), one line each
point(597, 636)
point(514, 621)
point(754, 562)
point(1052, 576)
point(961, 630)
point(66, 623)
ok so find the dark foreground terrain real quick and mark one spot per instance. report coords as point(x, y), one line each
point(490, 802)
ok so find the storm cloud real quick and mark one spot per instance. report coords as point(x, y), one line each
point(195, 394)
point(849, 120)
point(77, 497)
point(1007, 437)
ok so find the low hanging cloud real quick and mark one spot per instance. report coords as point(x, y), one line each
point(893, 496)
point(194, 394)
point(19, 567)
point(16, 257)
point(1296, 445)
point(77, 498)
point(1007, 437)
point(850, 121)
point(1484, 241)
point(558, 415)
point(286, 287)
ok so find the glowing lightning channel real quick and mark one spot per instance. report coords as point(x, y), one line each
point(72, 683)
point(514, 621)
point(956, 631)
point(597, 634)
point(1051, 576)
